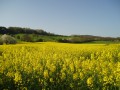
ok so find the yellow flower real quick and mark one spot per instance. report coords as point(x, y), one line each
point(81, 75)
point(17, 77)
point(51, 80)
point(90, 81)
point(75, 76)
point(63, 76)
point(53, 68)
point(72, 67)
point(46, 74)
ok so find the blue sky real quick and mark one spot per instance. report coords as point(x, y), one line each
point(91, 17)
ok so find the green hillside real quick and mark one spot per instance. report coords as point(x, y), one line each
point(40, 35)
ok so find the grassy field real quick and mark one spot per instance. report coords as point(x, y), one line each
point(60, 66)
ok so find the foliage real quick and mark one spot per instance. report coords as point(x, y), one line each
point(7, 39)
point(36, 35)
point(58, 66)
point(64, 40)
point(26, 38)
point(1, 42)
point(80, 39)
point(19, 30)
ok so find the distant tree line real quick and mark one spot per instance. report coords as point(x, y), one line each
point(19, 30)
point(87, 38)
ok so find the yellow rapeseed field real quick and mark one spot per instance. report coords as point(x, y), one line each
point(58, 66)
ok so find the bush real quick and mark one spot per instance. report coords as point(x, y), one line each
point(1, 42)
point(39, 40)
point(64, 40)
point(7, 39)
point(26, 38)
